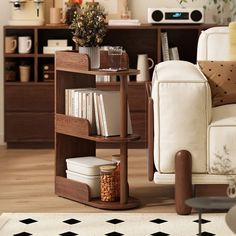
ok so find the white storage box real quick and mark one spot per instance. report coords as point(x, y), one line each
point(86, 165)
point(92, 181)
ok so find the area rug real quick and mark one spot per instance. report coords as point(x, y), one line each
point(111, 224)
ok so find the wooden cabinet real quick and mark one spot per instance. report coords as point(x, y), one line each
point(32, 102)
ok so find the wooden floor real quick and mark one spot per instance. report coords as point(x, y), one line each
point(27, 183)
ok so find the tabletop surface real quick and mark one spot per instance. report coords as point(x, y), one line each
point(216, 203)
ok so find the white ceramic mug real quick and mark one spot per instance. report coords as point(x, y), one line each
point(144, 67)
point(24, 44)
point(24, 73)
point(10, 44)
point(56, 15)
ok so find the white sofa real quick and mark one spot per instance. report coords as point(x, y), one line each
point(185, 119)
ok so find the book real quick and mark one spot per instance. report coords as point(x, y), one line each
point(110, 113)
point(165, 46)
point(174, 53)
point(124, 22)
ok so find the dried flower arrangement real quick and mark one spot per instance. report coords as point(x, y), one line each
point(89, 25)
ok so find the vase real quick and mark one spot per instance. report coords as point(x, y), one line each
point(93, 53)
point(231, 189)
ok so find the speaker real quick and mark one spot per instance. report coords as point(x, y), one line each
point(175, 15)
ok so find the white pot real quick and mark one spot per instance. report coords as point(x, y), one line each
point(93, 53)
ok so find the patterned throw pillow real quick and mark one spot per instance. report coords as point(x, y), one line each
point(221, 76)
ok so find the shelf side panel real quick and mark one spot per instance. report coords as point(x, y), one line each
point(72, 189)
point(72, 61)
point(73, 126)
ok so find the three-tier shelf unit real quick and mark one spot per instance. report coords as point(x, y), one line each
point(73, 135)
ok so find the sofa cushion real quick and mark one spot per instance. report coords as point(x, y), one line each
point(222, 140)
point(222, 79)
point(208, 44)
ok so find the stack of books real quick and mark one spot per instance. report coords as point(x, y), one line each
point(124, 22)
point(54, 45)
point(100, 108)
point(168, 53)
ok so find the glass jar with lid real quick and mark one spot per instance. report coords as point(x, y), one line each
point(108, 189)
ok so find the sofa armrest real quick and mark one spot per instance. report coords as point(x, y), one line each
point(182, 108)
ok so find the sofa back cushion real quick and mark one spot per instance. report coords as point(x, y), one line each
point(213, 44)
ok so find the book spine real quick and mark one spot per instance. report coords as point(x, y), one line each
point(96, 114)
point(165, 46)
point(101, 113)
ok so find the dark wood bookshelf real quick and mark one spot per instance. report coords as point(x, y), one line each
point(134, 39)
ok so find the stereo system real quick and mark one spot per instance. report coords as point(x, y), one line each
point(175, 15)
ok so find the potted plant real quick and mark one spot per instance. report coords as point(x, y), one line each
point(88, 29)
point(222, 16)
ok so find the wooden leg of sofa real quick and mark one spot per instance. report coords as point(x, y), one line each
point(183, 181)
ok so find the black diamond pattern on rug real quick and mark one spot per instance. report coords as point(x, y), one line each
point(158, 221)
point(115, 221)
point(206, 234)
point(28, 221)
point(68, 234)
point(71, 221)
point(202, 220)
point(114, 234)
point(159, 234)
point(23, 234)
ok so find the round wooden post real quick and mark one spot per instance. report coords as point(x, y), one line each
point(183, 181)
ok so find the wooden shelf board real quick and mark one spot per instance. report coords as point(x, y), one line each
point(80, 128)
point(80, 192)
point(18, 55)
point(46, 55)
point(97, 72)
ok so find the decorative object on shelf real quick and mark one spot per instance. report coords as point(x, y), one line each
point(24, 44)
point(71, 8)
point(126, 13)
point(108, 183)
point(223, 8)
point(27, 12)
point(107, 58)
point(10, 44)
point(144, 67)
point(24, 73)
point(56, 16)
point(10, 71)
point(89, 28)
point(231, 189)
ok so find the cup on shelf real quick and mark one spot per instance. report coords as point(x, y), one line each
point(56, 15)
point(10, 44)
point(114, 57)
point(24, 44)
point(24, 73)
